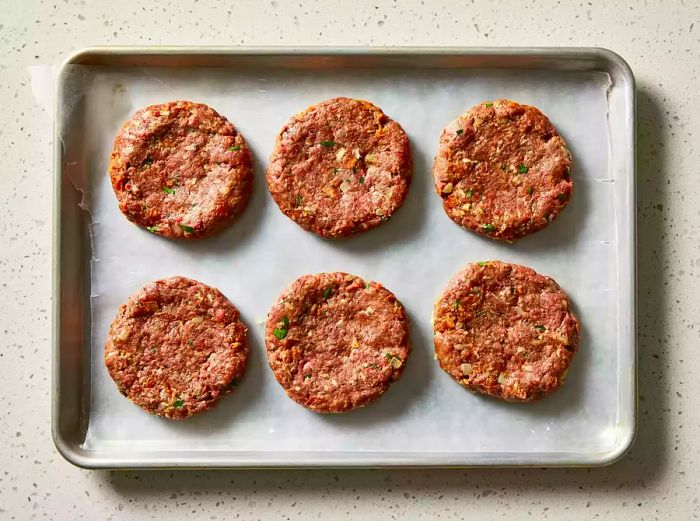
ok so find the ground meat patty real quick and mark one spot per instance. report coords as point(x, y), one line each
point(176, 347)
point(336, 342)
point(504, 330)
point(502, 170)
point(180, 170)
point(340, 167)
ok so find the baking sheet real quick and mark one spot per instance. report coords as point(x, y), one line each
point(414, 255)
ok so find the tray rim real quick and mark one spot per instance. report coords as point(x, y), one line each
point(89, 459)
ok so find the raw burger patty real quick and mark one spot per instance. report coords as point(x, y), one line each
point(180, 170)
point(502, 170)
point(336, 342)
point(176, 347)
point(340, 167)
point(504, 330)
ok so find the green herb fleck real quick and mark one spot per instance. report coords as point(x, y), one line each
point(530, 190)
point(168, 190)
point(148, 160)
point(178, 403)
point(482, 263)
point(561, 197)
point(235, 148)
point(186, 229)
point(361, 180)
point(336, 170)
point(459, 131)
point(488, 104)
point(281, 332)
point(298, 200)
point(470, 192)
point(540, 328)
point(456, 304)
point(327, 292)
point(327, 143)
point(307, 377)
point(489, 227)
point(522, 169)
point(388, 356)
point(367, 285)
point(151, 229)
point(374, 366)
point(153, 350)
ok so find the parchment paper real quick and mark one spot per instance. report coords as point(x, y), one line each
point(414, 255)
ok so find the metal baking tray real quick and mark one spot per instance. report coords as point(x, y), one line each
point(425, 419)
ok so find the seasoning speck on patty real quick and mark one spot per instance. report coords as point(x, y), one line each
point(340, 167)
point(181, 170)
point(504, 330)
point(176, 347)
point(336, 342)
point(502, 170)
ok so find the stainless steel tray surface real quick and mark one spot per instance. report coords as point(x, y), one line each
point(425, 418)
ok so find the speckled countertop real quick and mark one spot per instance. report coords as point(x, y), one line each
point(658, 479)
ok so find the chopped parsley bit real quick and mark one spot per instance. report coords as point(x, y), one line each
point(388, 356)
point(489, 227)
point(153, 350)
point(327, 292)
point(168, 190)
point(489, 104)
point(361, 180)
point(561, 197)
point(281, 332)
point(235, 148)
point(456, 304)
point(459, 131)
point(186, 229)
point(190, 342)
point(469, 192)
point(374, 366)
point(336, 170)
point(307, 377)
point(148, 160)
point(482, 263)
point(522, 169)
point(540, 328)
point(298, 200)
point(178, 403)
point(367, 285)
point(530, 190)
point(151, 229)
point(327, 143)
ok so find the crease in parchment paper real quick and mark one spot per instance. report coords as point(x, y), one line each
point(414, 254)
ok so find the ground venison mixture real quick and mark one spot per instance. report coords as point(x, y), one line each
point(340, 167)
point(502, 170)
point(506, 331)
point(176, 347)
point(181, 170)
point(336, 342)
